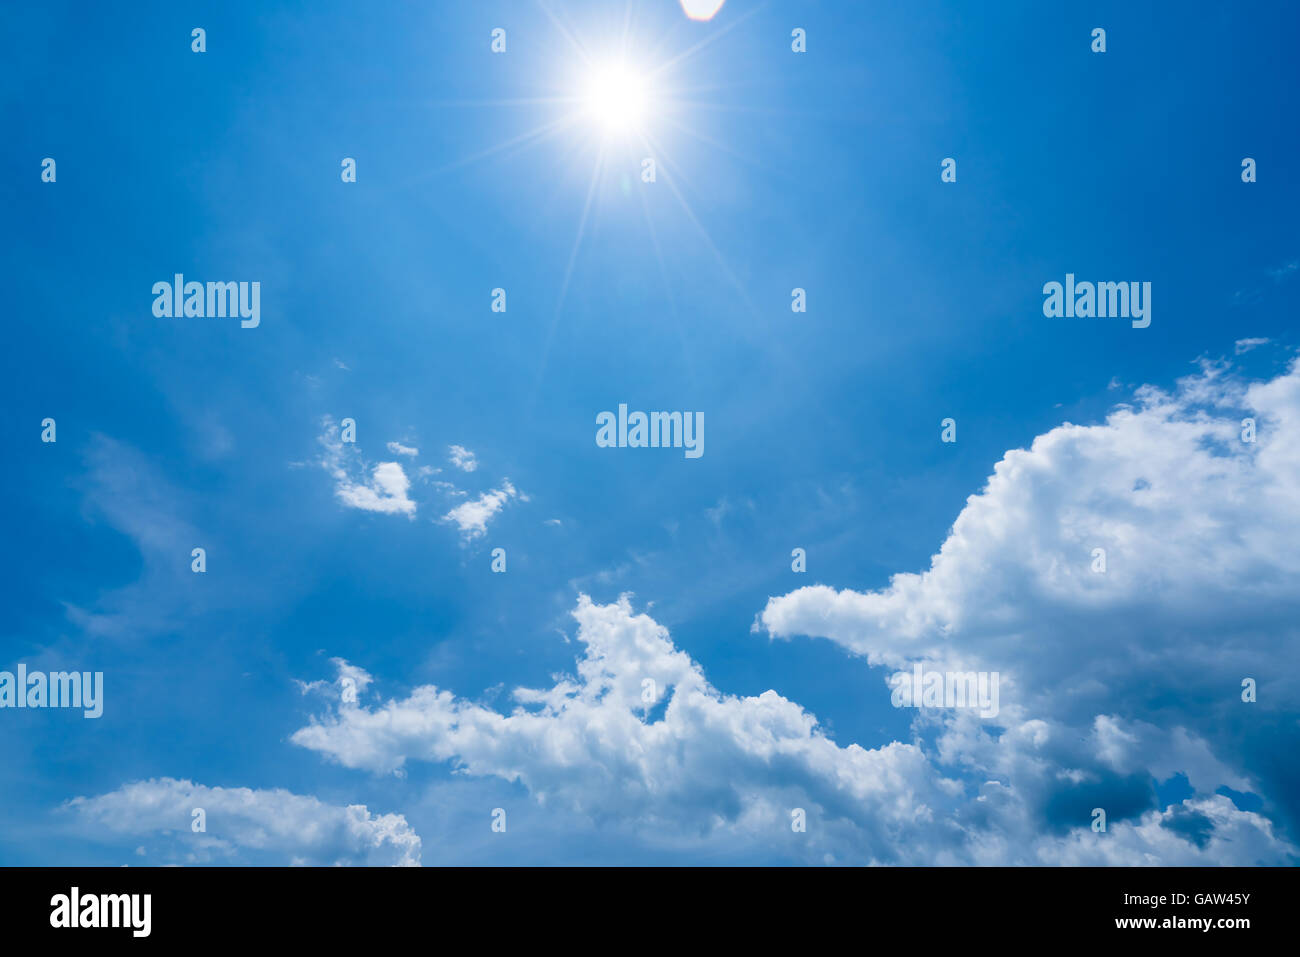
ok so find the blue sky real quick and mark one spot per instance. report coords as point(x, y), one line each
point(775, 170)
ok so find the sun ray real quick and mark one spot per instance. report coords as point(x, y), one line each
point(723, 148)
point(657, 150)
point(668, 289)
point(566, 33)
point(531, 138)
point(597, 169)
point(619, 100)
point(513, 101)
point(727, 108)
point(711, 38)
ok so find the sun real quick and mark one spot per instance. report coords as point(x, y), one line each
point(617, 98)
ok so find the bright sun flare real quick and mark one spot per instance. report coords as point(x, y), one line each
point(617, 98)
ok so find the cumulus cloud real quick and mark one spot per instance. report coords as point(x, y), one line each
point(397, 448)
point(462, 458)
point(384, 490)
point(472, 517)
point(247, 826)
point(641, 736)
point(1192, 833)
point(1121, 674)
point(1114, 680)
point(1114, 683)
point(640, 740)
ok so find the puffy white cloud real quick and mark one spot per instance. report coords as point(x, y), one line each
point(385, 490)
point(1192, 833)
point(694, 762)
point(397, 448)
point(472, 517)
point(1114, 680)
point(698, 766)
point(273, 826)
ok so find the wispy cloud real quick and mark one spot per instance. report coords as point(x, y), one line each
point(472, 517)
point(1285, 271)
point(462, 458)
point(128, 491)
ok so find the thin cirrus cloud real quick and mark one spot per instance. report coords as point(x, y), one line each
point(243, 825)
point(128, 491)
point(1113, 683)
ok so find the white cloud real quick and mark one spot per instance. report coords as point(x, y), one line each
point(1194, 521)
point(462, 458)
point(1121, 678)
point(472, 517)
point(127, 491)
point(385, 490)
point(359, 678)
point(385, 487)
point(1221, 835)
point(708, 762)
point(241, 823)
point(1111, 683)
point(703, 766)
point(1245, 345)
